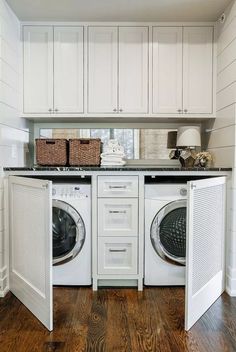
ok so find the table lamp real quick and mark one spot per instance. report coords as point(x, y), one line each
point(171, 144)
point(188, 138)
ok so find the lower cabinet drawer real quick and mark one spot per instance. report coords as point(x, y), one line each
point(117, 255)
point(117, 217)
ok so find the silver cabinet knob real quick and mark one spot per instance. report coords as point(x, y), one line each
point(120, 110)
point(114, 110)
point(50, 110)
point(179, 111)
point(185, 110)
point(56, 110)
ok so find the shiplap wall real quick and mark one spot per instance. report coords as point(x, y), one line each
point(13, 130)
point(221, 140)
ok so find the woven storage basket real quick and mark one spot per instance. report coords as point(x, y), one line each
point(51, 152)
point(84, 151)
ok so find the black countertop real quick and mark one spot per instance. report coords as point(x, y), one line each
point(115, 168)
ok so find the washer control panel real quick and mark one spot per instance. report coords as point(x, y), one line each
point(69, 191)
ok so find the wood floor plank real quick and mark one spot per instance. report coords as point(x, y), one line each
point(119, 320)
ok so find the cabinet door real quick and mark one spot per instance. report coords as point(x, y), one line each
point(167, 63)
point(198, 70)
point(205, 246)
point(68, 69)
point(133, 69)
point(38, 69)
point(30, 267)
point(102, 69)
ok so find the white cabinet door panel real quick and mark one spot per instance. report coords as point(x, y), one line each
point(167, 70)
point(38, 69)
point(68, 69)
point(102, 69)
point(198, 70)
point(205, 246)
point(133, 69)
point(30, 267)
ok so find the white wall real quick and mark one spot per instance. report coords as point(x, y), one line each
point(221, 141)
point(13, 132)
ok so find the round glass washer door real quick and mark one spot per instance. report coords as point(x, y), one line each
point(68, 232)
point(168, 232)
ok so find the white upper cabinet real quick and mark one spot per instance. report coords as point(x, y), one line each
point(102, 69)
point(172, 73)
point(53, 69)
point(68, 70)
point(117, 70)
point(182, 70)
point(38, 69)
point(167, 70)
point(198, 70)
point(133, 70)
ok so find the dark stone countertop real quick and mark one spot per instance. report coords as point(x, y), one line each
point(116, 168)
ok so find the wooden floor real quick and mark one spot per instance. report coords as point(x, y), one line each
point(119, 320)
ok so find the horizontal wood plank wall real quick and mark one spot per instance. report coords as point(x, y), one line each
point(13, 130)
point(221, 141)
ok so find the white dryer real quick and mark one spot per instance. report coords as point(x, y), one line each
point(165, 234)
point(71, 234)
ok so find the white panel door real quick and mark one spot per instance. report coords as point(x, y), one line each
point(167, 63)
point(102, 69)
point(205, 280)
point(68, 70)
point(38, 69)
point(30, 268)
point(133, 69)
point(198, 70)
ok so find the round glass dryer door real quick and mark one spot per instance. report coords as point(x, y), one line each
point(68, 232)
point(168, 232)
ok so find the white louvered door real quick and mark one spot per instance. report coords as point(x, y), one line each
point(30, 267)
point(205, 246)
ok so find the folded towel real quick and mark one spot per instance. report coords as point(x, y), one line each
point(112, 160)
point(116, 155)
point(112, 163)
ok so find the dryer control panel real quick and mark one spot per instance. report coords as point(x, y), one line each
point(70, 191)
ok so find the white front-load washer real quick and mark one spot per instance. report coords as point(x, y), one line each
point(165, 234)
point(71, 234)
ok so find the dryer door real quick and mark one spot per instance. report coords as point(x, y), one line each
point(168, 232)
point(68, 232)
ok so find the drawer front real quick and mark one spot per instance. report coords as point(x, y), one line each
point(118, 217)
point(116, 186)
point(117, 255)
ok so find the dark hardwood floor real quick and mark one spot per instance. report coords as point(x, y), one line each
point(119, 320)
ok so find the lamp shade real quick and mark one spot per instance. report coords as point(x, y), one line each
point(171, 139)
point(189, 136)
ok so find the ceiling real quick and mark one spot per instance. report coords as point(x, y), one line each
point(118, 10)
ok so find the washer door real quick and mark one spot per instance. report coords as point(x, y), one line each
point(168, 232)
point(68, 232)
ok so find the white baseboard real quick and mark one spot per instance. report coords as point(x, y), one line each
point(3, 282)
point(4, 292)
point(231, 282)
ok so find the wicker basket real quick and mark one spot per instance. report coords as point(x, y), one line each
point(84, 151)
point(51, 152)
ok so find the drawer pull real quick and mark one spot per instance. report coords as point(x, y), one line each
point(118, 250)
point(117, 187)
point(117, 211)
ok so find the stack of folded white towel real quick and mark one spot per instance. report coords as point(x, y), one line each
point(113, 154)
